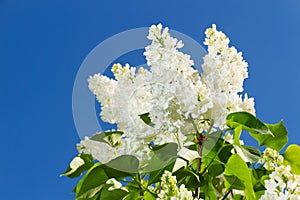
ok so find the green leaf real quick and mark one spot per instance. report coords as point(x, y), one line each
point(91, 183)
point(146, 118)
point(238, 197)
point(155, 175)
point(132, 195)
point(248, 122)
point(78, 165)
point(207, 188)
point(237, 167)
point(219, 154)
point(211, 147)
point(218, 183)
point(252, 150)
point(259, 193)
point(211, 142)
point(237, 134)
point(91, 194)
point(166, 151)
point(115, 194)
point(112, 138)
point(122, 166)
point(189, 178)
point(216, 169)
point(277, 141)
point(154, 164)
point(225, 153)
point(149, 196)
point(269, 135)
point(233, 182)
point(134, 190)
point(248, 153)
point(292, 158)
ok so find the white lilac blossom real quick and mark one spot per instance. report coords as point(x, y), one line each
point(224, 71)
point(104, 89)
point(271, 159)
point(171, 191)
point(282, 183)
point(99, 150)
point(104, 152)
point(177, 91)
point(129, 99)
point(172, 93)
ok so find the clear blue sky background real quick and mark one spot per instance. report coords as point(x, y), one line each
point(43, 43)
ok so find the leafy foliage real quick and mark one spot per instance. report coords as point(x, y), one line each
point(239, 176)
point(292, 158)
point(219, 158)
point(269, 135)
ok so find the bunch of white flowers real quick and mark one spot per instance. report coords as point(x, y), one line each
point(282, 185)
point(224, 71)
point(271, 159)
point(171, 93)
point(170, 190)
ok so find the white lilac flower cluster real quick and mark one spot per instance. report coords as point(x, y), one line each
point(271, 159)
point(171, 93)
point(170, 190)
point(224, 71)
point(282, 185)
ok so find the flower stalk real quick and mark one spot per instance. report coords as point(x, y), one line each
point(140, 185)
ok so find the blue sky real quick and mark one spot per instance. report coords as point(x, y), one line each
point(43, 43)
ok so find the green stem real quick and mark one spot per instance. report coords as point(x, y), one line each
point(228, 192)
point(140, 185)
point(200, 148)
point(200, 139)
point(178, 141)
point(198, 136)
